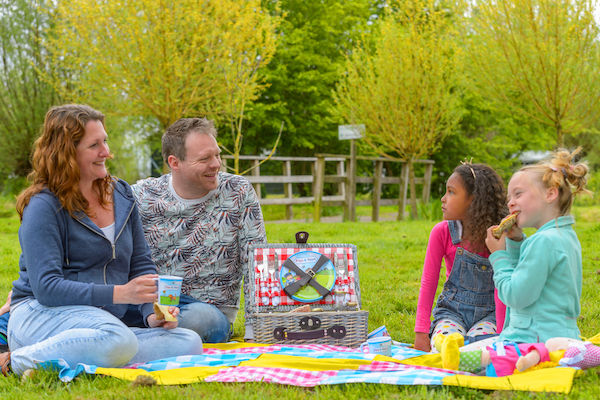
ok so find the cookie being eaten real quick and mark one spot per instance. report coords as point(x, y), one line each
point(162, 312)
point(505, 225)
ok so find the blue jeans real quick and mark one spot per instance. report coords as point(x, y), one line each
point(89, 335)
point(468, 294)
point(203, 318)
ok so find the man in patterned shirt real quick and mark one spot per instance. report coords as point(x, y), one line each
point(200, 223)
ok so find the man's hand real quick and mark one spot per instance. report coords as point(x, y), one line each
point(6, 306)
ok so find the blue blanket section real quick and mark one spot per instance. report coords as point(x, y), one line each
point(409, 375)
point(3, 327)
point(65, 373)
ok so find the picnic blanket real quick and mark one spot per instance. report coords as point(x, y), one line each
point(312, 365)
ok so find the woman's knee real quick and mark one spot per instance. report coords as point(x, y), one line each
point(121, 345)
point(190, 341)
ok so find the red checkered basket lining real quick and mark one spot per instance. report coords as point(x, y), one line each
point(269, 292)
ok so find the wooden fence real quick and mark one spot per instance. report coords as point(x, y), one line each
point(346, 185)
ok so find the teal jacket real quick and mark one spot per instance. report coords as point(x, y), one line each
point(539, 280)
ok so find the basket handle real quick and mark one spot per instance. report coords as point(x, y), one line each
point(336, 332)
point(301, 237)
point(309, 323)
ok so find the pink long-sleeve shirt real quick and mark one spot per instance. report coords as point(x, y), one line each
point(440, 247)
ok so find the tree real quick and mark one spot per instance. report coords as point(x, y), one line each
point(405, 87)
point(539, 58)
point(313, 38)
point(164, 59)
point(24, 97)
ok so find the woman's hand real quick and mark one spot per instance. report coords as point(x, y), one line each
point(154, 323)
point(422, 341)
point(139, 290)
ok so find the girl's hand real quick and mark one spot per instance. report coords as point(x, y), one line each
point(154, 323)
point(492, 243)
point(422, 341)
point(139, 290)
point(515, 233)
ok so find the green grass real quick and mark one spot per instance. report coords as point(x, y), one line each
point(390, 257)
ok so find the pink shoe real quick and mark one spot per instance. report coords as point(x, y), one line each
point(581, 355)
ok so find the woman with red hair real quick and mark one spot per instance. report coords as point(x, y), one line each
point(84, 258)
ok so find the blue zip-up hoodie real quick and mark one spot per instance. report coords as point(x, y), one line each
point(69, 261)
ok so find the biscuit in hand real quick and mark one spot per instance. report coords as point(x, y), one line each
point(505, 225)
point(162, 312)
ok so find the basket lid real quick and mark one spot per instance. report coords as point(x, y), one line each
point(281, 276)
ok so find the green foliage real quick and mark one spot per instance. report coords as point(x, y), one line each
point(539, 58)
point(404, 84)
point(163, 60)
point(405, 88)
point(313, 37)
point(24, 97)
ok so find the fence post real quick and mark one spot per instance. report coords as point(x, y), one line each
point(427, 183)
point(341, 170)
point(403, 190)
point(351, 184)
point(287, 189)
point(256, 172)
point(318, 187)
point(377, 173)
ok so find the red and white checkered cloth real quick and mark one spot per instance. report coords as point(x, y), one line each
point(284, 376)
point(280, 255)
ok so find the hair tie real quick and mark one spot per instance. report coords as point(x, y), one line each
point(563, 170)
point(467, 163)
point(473, 172)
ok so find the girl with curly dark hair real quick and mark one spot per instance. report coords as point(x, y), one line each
point(475, 199)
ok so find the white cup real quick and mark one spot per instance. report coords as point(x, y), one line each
point(381, 331)
point(378, 345)
point(169, 290)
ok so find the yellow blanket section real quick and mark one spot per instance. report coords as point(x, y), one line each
point(178, 376)
point(536, 380)
point(557, 380)
point(541, 380)
point(304, 363)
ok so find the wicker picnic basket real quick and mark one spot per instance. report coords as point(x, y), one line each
point(320, 277)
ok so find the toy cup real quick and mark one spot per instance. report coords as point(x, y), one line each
point(169, 290)
point(381, 331)
point(378, 345)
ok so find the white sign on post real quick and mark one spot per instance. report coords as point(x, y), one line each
point(346, 132)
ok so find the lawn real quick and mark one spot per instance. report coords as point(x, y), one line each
point(390, 257)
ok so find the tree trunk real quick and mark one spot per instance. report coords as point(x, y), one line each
point(559, 134)
point(413, 190)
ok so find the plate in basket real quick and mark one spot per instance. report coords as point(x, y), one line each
point(305, 260)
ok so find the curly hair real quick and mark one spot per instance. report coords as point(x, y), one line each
point(54, 159)
point(564, 173)
point(488, 206)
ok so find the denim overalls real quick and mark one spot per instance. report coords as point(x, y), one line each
point(468, 294)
